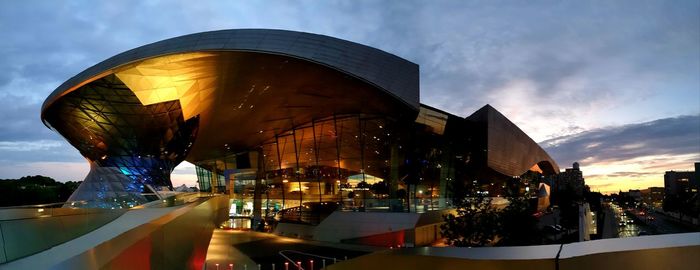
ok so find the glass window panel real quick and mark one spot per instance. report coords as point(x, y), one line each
point(434, 120)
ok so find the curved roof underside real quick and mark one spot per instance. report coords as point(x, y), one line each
point(247, 86)
point(391, 73)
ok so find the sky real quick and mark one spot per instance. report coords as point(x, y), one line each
point(614, 85)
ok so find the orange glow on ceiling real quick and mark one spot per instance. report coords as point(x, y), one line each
point(190, 78)
point(536, 168)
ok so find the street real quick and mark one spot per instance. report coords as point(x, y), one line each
point(633, 222)
point(659, 223)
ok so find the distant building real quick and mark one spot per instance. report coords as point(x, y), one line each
point(569, 178)
point(676, 182)
point(586, 222)
point(635, 194)
point(653, 196)
point(543, 197)
point(681, 192)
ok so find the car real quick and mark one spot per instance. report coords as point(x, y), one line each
point(622, 224)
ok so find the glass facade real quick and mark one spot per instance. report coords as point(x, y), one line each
point(406, 162)
point(107, 123)
point(351, 162)
point(203, 179)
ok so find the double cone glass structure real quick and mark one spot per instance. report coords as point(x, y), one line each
point(286, 122)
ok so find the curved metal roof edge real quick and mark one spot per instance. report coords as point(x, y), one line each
point(395, 75)
point(496, 120)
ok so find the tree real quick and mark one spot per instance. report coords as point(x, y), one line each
point(474, 224)
point(30, 190)
point(380, 188)
point(518, 226)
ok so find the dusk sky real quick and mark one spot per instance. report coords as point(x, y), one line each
point(614, 85)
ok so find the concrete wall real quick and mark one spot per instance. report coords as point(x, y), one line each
point(426, 235)
point(348, 225)
point(455, 258)
point(661, 258)
point(368, 228)
point(295, 230)
point(673, 251)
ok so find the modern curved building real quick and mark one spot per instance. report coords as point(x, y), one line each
point(280, 120)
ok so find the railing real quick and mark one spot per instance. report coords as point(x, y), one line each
point(419, 205)
point(26, 230)
point(292, 260)
point(35, 206)
point(29, 229)
point(175, 200)
point(298, 263)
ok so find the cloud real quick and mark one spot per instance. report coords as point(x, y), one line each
point(61, 171)
point(20, 119)
point(580, 62)
point(624, 174)
point(564, 68)
point(554, 69)
point(19, 152)
point(630, 156)
point(669, 136)
point(24, 146)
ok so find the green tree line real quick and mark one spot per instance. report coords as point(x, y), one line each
point(36, 189)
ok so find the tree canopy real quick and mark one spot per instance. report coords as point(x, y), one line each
point(37, 189)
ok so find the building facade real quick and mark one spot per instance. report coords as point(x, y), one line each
point(676, 182)
point(571, 179)
point(653, 196)
point(286, 122)
point(682, 192)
